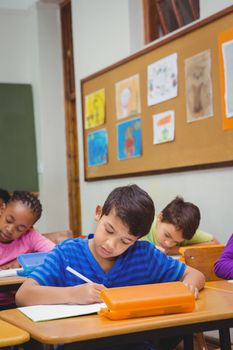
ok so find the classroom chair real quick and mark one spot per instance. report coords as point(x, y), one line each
point(203, 258)
point(58, 236)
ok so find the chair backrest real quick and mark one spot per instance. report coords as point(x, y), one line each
point(203, 258)
point(58, 236)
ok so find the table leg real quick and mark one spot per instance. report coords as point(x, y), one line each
point(188, 342)
point(225, 339)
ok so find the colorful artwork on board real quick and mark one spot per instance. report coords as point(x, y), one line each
point(225, 45)
point(95, 109)
point(164, 126)
point(162, 80)
point(129, 139)
point(128, 101)
point(199, 102)
point(97, 147)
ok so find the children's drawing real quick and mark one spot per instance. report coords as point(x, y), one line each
point(199, 104)
point(95, 109)
point(128, 97)
point(129, 139)
point(227, 49)
point(97, 147)
point(164, 126)
point(162, 80)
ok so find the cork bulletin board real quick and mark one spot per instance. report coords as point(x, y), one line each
point(196, 145)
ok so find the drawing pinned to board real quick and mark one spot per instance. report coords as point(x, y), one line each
point(129, 139)
point(162, 80)
point(225, 46)
point(97, 147)
point(227, 49)
point(164, 127)
point(199, 103)
point(95, 109)
point(128, 97)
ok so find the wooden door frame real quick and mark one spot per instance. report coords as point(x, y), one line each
point(70, 119)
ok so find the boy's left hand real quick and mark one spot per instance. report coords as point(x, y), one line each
point(193, 289)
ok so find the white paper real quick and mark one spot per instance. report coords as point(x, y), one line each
point(164, 127)
point(9, 272)
point(228, 73)
point(162, 78)
point(51, 312)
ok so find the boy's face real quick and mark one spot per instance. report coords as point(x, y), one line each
point(111, 237)
point(167, 234)
point(15, 220)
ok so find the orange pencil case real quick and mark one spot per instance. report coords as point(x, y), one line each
point(146, 300)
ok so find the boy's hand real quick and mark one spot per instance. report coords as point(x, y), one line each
point(193, 279)
point(87, 293)
point(193, 289)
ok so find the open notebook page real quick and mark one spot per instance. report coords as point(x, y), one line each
point(9, 272)
point(51, 312)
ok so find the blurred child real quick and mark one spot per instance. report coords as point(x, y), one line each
point(176, 226)
point(4, 197)
point(17, 235)
point(223, 267)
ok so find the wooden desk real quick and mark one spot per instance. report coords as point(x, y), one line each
point(11, 335)
point(213, 311)
point(11, 283)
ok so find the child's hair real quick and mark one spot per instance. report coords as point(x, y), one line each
point(133, 206)
point(4, 195)
point(29, 200)
point(183, 215)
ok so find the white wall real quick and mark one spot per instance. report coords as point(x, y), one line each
point(30, 51)
point(209, 7)
point(101, 37)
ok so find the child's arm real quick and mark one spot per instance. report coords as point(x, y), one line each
point(193, 279)
point(13, 264)
point(224, 265)
point(31, 293)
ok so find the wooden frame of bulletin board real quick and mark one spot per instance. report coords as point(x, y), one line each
point(199, 144)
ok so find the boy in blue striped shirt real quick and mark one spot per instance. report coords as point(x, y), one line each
point(111, 257)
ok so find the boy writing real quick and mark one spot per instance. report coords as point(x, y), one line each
point(111, 257)
point(177, 226)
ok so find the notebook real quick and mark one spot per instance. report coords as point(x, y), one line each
point(146, 300)
point(51, 312)
point(10, 272)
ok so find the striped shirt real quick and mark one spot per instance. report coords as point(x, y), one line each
point(141, 263)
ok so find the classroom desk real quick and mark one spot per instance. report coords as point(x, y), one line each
point(11, 335)
point(213, 311)
point(11, 283)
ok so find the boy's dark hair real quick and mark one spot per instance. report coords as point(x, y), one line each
point(5, 195)
point(183, 215)
point(133, 206)
point(29, 200)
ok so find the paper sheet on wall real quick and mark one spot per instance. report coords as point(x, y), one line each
point(51, 312)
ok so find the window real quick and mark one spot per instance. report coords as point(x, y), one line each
point(163, 16)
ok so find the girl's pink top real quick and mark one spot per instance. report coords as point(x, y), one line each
point(30, 242)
